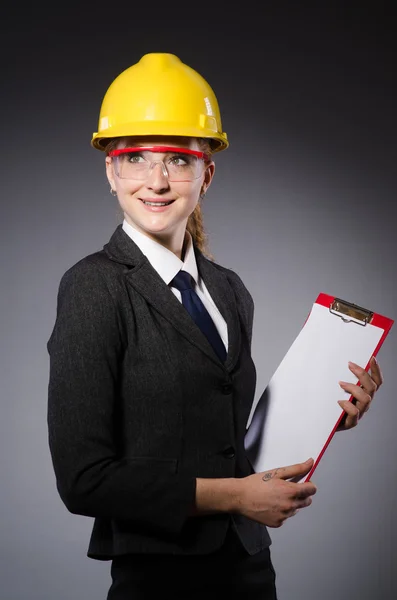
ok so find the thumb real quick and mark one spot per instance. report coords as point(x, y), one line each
point(294, 470)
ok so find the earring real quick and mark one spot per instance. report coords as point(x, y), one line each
point(113, 192)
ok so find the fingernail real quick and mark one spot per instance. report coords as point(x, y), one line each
point(375, 359)
point(352, 364)
point(343, 383)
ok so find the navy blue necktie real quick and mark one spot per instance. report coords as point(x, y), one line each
point(183, 282)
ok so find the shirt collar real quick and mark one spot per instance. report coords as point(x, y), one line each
point(165, 262)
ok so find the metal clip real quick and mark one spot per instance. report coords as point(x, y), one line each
point(351, 312)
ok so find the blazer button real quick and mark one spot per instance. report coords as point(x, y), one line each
point(229, 452)
point(227, 388)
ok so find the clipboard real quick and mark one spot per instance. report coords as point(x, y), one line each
point(292, 420)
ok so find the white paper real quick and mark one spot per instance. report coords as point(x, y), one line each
point(296, 414)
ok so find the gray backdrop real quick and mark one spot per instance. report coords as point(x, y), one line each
point(303, 201)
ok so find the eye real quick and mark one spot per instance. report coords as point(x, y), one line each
point(134, 157)
point(180, 160)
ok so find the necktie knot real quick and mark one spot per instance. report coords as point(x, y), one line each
point(182, 281)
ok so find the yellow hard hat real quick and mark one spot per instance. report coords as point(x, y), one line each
point(160, 95)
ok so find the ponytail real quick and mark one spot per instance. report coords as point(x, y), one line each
point(195, 227)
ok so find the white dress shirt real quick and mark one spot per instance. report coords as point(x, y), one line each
point(167, 265)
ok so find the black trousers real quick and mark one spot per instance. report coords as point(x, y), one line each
point(228, 573)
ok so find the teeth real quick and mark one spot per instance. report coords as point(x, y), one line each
point(156, 203)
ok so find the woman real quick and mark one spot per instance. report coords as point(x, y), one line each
point(151, 375)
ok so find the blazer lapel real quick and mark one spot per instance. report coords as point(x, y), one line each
point(223, 295)
point(145, 279)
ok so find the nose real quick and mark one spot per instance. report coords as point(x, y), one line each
point(157, 179)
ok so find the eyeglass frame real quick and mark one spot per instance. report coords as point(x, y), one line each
point(119, 151)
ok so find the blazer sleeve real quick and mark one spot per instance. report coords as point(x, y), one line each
point(85, 350)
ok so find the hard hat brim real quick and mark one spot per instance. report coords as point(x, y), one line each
point(218, 140)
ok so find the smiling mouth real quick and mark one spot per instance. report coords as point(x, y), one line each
point(157, 203)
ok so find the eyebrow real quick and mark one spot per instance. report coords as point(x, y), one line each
point(197, 153)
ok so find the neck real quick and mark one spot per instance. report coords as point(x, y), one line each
point(175, 241)
point(176, 244)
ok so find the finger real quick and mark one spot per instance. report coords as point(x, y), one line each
point(304, 493)
point(352, 414)
point(367, 383)
point(299, 505)
point(297, 469)
point(376, 372)
point(362, 398)
point(304, 503)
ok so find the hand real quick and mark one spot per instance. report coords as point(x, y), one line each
point(269, 499)
point(363, 394)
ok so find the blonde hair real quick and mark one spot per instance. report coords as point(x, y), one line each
point(195, 224)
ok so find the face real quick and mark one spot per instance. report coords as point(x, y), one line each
point(167, 223)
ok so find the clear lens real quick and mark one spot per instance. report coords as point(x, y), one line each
point(176, 165)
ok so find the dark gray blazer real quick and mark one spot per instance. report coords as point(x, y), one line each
point(139, 404)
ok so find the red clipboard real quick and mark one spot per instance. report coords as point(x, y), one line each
point(291, 421)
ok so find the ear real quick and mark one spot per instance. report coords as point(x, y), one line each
point(110, 172)
point(208, 175)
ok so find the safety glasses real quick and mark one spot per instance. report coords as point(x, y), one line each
point(177, 164)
